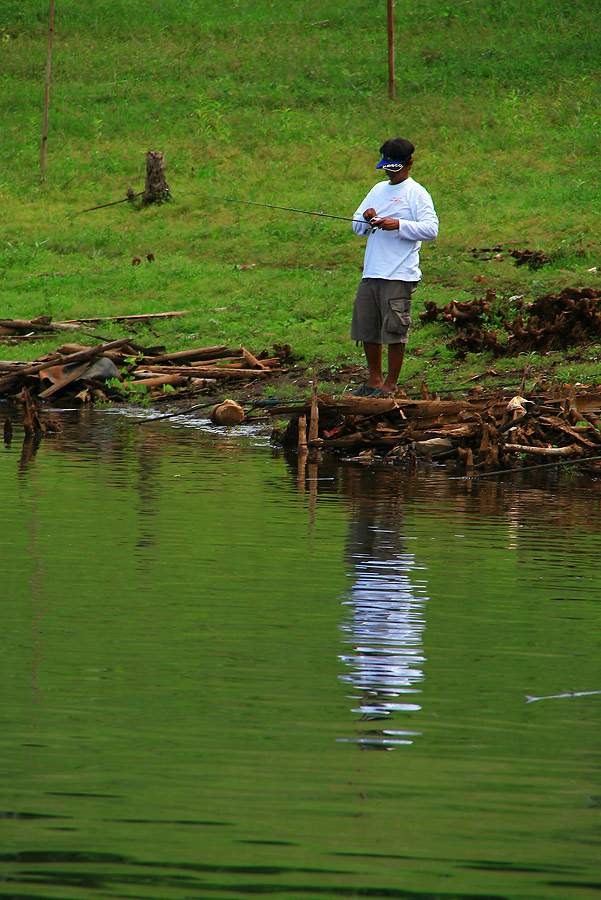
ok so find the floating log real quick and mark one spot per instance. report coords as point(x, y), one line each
point(43, 323)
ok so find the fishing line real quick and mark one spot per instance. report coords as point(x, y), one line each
point(558, 462)
point(305, 212)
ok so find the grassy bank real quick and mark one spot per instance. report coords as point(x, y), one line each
point(286, 103)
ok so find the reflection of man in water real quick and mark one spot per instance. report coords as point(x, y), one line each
point(386, 623)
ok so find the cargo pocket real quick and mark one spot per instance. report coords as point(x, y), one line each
point(398, 319)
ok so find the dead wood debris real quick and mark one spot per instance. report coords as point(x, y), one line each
point(485, 432)
point(124, 370)
point(552, 322)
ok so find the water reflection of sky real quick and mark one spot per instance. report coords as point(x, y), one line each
point(384, 630)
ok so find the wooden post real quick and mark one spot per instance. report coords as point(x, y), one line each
point(47, 92)
point(390, 18)
point(302, 434)
point(469, 461)
point(301, 466)
point(314, 418)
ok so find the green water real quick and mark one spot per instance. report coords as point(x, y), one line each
point(225, 677)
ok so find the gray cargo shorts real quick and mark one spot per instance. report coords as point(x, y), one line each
point(382, 311)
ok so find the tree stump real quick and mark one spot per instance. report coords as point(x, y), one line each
point(156, 189)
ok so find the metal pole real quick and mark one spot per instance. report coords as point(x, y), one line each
point(391, 49)
point(47, 91)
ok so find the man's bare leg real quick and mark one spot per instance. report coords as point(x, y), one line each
point(396, 354)
point(373, 355)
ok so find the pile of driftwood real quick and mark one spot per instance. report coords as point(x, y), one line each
point(484, 432)
point(552, 322)
point(124, 370)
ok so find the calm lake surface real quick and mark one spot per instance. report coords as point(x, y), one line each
point(224, 676)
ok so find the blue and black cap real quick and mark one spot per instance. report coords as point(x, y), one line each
point(396, 154)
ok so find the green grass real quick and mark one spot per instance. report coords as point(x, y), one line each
point(286, 103)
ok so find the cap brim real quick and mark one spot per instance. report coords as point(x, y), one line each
point(389, 163)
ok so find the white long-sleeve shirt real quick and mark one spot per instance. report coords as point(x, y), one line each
point(394, 255)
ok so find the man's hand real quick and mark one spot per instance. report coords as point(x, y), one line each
point(385, 223)
point(369, 214)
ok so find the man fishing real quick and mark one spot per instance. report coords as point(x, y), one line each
point(397, 215)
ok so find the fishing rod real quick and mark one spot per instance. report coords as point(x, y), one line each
point(305, 212)
point(130, 196)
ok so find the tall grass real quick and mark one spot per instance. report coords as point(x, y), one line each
point(287, 103)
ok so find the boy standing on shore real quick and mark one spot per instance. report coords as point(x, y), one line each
point(397, 215)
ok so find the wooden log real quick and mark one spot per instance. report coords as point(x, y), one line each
point(189, 355)
point(590, 401)
point(71, 348)
point(345, 440)
point(225, 372)
point(361, 406)
point(231, 362)
point(227, 363)
point(570, 430)
point(569, 450)
point(192, 370)
point(235, 362)
point(159, 381)
point(273, 362)
point(251, 361)
point(138, 317)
